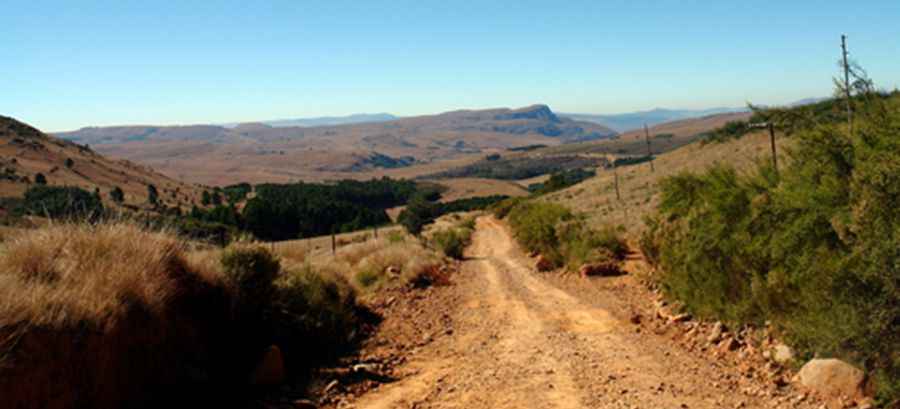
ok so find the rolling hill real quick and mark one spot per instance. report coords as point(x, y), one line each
point(635, 120)
point(26, 151)
point(259, 152)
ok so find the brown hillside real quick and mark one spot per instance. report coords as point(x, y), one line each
point(26, 151)
point(254, 153)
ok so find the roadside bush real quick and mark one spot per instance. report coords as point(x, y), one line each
point(369, 262)
point(535, 226)
point(561, 237)
point(252, 270)
point(452, 241)
point(501, 209)
point(314, 315)
point(814, 250)
point(581, 245)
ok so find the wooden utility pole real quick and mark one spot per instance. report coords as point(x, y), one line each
point(616, 176)
point(847, 82)
point(649, 151)
point(774, 153)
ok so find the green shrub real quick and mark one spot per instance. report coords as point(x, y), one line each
point(368, 277)
point(452, 242)
point(580, 244)
point(67, 202)
point(501, 209)
point(313, 315)
point(395, 237)
point(813, 250)
point(535, 226)
point(562, 238)
point(251, 269)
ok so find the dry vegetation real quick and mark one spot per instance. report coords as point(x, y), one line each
point(103, 315)
point(99, 316)
point(596, 197)
point(216, 155)
point(68, 275)
point(25, 152)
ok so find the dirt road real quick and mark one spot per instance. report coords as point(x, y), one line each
point(519, 341)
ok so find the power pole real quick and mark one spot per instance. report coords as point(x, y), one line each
point(616, 176)
point(649, 151)
point(847, 82)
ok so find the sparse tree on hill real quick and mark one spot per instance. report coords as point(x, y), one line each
point(70, 163)
point(152, 195)
point(117, 195)
point(205, 199)
point(40, 179)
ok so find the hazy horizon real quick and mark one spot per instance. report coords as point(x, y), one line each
point(95, 64)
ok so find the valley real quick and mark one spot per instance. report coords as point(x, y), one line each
point(216, 155)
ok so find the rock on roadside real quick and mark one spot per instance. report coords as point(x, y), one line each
point(832, 377)
point(270, 369)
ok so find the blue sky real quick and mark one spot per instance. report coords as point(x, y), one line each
point(67, 64)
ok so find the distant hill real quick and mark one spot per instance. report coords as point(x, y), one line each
point(324, 120)
point(634, 120)
point(257, 152)
point(26, 151)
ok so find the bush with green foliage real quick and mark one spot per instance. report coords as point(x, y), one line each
point(251, 269)
point(40, 179)
point(502, 208)
point(452, 241)
point(420, 211)
point(563, 238)
point(535, 226)
point(61, 202)
point(117, 195)
point(561, 180)
point(152, 195)
point(315, 315)
point(310, 314)
point(814, 249)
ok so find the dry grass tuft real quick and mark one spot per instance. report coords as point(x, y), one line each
point(369, 262)
point(71, 274)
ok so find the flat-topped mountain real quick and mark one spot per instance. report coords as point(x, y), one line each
point(257, 152)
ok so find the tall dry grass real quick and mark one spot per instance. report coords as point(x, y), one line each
point(370, 264)
point(68, 274)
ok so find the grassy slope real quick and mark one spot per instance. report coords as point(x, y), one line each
point(28, 151)
point(596, 197)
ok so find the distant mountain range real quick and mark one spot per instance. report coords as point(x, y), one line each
point(630, 121)
point(258, 151)
point(324, 120)
point(634, 120)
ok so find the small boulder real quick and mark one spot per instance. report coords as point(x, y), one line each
point(543, 264)
point(832, 377)
point(782, 353)
point(393, 270)
point(270, 369)
point(716, 334)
